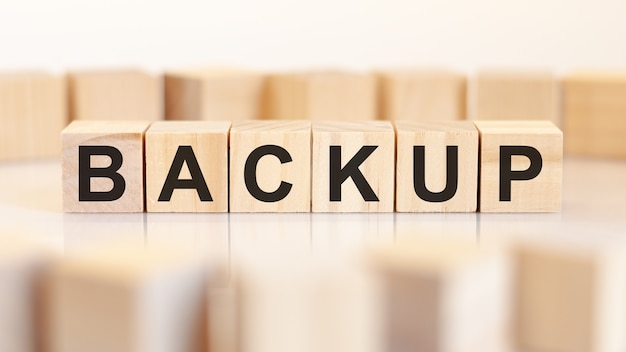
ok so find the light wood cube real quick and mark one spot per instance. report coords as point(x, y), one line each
point(521, 166)
point(103, 166)
point(594, 114)
point(124, 95)
point(353, 167)
point(436, 166)
point(270, 166)
point(120, 299)
point(187, 166)
point(213, 94)
point(422, 95)
point(510, 95)
point(33, 111)
point(321, 95)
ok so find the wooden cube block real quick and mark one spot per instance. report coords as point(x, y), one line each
point(436, 166)
point(117, 299)
point(187, 166)
point(422, 95)
point(270, 166)
point(33, 111)
point(103, 166)
point(505, 95)
point(353, 167)
point(123, 95)
point(521, 166)
point(213, 94)
point(333, 96)
point(594, 110)
point(445, 296)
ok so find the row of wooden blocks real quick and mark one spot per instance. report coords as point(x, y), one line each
point(299, 166)
point(34, 107)
point(431, 295)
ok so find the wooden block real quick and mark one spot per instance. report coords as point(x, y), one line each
point(270, 166)
point(321, 95)
point(109, 178)
point(521, 165)
point(501, 95)
point(123, 95)
point(445, 179)
point(187, 166)
point(422, 95)
point(213, 94)
point(444, 296)
point(594, 106)
point(353, 167)
point(570, 296)
point(33, 111)
point(117, 299)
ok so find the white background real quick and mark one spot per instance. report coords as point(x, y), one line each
point(284, 34)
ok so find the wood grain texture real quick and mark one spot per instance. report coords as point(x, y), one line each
point(209, 143)
point(213, 94)
point(594, 110)
point(321, 95)
point(33, 111)
point(124, 95)
point(511, 95)
point(127, 137)
point(292, 136)
point(435, 137)
point(421, 95)
point(378, 169)
point(540, 194)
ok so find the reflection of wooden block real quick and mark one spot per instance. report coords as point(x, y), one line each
point(514, 96)
point(353, 167)
point(115, 95)
point(442, 148)
point(103, 166)
point(570, 298)
point(422, 95)
point(594, 110)
point(270, 163)
point(445, 296)
point(118, 299)
point(33, 112)
point(521, 165)
point(187, 166)
point(321, 96)
point(213, 95)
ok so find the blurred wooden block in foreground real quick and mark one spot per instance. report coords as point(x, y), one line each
point(422, 95)
point(123, 95)
point(511, 95)
point(33, 111)
point(594, 114)
point(321, 95)
point(213, 94)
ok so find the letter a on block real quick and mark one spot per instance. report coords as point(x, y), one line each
point(103, 166)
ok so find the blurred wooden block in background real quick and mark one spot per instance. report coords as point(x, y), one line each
point(123, 95)
point(33, 111)
point(353, 166)
point(443, 147)
point(521, 166)
point(594, 114)
point(112, 162)
point(422, 95)
point(270, 166)
point(187, 166)
point(128, 300)
point(510, 95)
point(213, 94)
point(333, 96)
